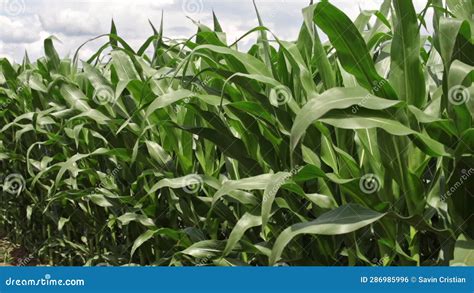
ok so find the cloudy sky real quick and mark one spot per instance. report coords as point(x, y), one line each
point(24, 24)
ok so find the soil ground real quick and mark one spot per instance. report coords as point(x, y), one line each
point(14, 255)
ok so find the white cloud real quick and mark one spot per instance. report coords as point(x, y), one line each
point(71, 22)
point(161, 4)
point(3, 54)
point(21, 30)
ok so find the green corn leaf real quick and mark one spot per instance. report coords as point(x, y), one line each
point(246, 222)
point(463, 252)
point(337, 98)
point(342, 220)
point(351, 49)
point(406, 74)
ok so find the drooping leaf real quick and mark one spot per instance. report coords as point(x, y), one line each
point(342, 220)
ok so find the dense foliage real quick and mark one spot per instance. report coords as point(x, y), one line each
point(354, 151)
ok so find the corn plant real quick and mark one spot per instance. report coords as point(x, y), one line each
point(357, 150)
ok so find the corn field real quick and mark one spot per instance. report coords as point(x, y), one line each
point(351, 145)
